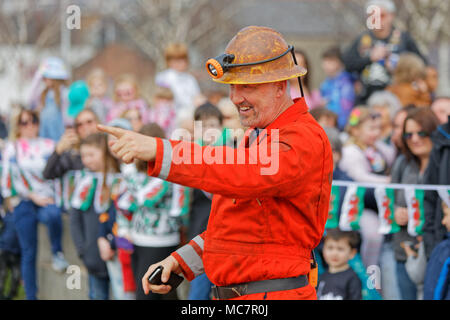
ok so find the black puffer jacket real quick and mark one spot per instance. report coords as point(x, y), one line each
point(59, 164)
point(438, 172)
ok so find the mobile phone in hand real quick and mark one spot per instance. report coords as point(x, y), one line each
point(174, 279)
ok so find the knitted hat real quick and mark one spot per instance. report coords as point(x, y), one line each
point(78, 95)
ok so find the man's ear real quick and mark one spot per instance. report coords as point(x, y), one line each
point(281, 88)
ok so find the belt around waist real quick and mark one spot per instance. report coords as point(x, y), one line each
point(234, 291)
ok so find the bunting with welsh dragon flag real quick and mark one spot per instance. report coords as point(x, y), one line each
point(416, 215)
point(386, 209)
point(352, 208)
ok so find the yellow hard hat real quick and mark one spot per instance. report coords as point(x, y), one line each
point(255, 55)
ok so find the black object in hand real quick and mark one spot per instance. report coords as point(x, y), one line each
point(174, 279)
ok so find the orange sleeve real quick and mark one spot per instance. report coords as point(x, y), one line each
point(279, 168)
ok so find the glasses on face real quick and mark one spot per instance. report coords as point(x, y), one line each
point(409, 135)
point(27, 122)
point(80, 124)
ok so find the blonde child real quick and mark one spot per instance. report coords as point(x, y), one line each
point(163, 110)
point(126, 97)
point(99, 101)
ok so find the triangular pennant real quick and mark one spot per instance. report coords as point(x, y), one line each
point(352, 208)
point(416, 215)
point(386, 209)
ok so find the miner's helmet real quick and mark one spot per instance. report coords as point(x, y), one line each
point(255, 55)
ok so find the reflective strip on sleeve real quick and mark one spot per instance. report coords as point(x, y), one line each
point(199, 241)
point(167, 160)
point(192, 259)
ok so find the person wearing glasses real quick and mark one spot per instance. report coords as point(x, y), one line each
point(31, 197)
point(409, 168)
point(66, 156)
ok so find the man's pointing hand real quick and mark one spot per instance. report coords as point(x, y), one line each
point(129, 145)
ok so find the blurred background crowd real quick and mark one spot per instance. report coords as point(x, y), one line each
point(381, 93)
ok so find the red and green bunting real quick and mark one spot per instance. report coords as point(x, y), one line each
point(416, 216)
point(385, 198)
point(352, 208)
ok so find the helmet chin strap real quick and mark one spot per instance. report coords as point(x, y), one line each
point(299, 78)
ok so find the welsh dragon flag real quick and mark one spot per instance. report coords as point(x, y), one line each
point(385, 204)
point(352, 208)
point(84, 193)
point(416, 218)
point(333, 211)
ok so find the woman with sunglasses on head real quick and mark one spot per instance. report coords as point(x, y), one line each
point(66, 156)
point(366, 158)
point(409, 168)
point(30, 196)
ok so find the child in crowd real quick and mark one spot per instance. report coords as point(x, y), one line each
point(53, 102)
point(31, 197)
point(364, 157)
point(150, 214)
point(340, 282)
point(367, 159)
point(337, 89)
point(437, 276)
point(184, 86)
point(99, 101)
point(326, 118)
point(127, 96)
point(409, 81)
point(90, 199)
point(163, 110)
point(134, 117)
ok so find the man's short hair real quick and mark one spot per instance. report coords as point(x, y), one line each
point(353, 237)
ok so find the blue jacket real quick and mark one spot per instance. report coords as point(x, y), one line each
point(437, 276)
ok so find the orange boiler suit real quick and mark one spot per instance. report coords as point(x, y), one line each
point(261, 226)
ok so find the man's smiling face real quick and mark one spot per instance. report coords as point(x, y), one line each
point(258, 104)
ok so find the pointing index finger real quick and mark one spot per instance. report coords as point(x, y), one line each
point(117, 132)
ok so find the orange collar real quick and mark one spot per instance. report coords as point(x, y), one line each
point(298, 107)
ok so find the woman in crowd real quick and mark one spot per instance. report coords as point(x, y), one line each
point(387, 104)
point(409, 168)
point(31, 197)
point(66, 156)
